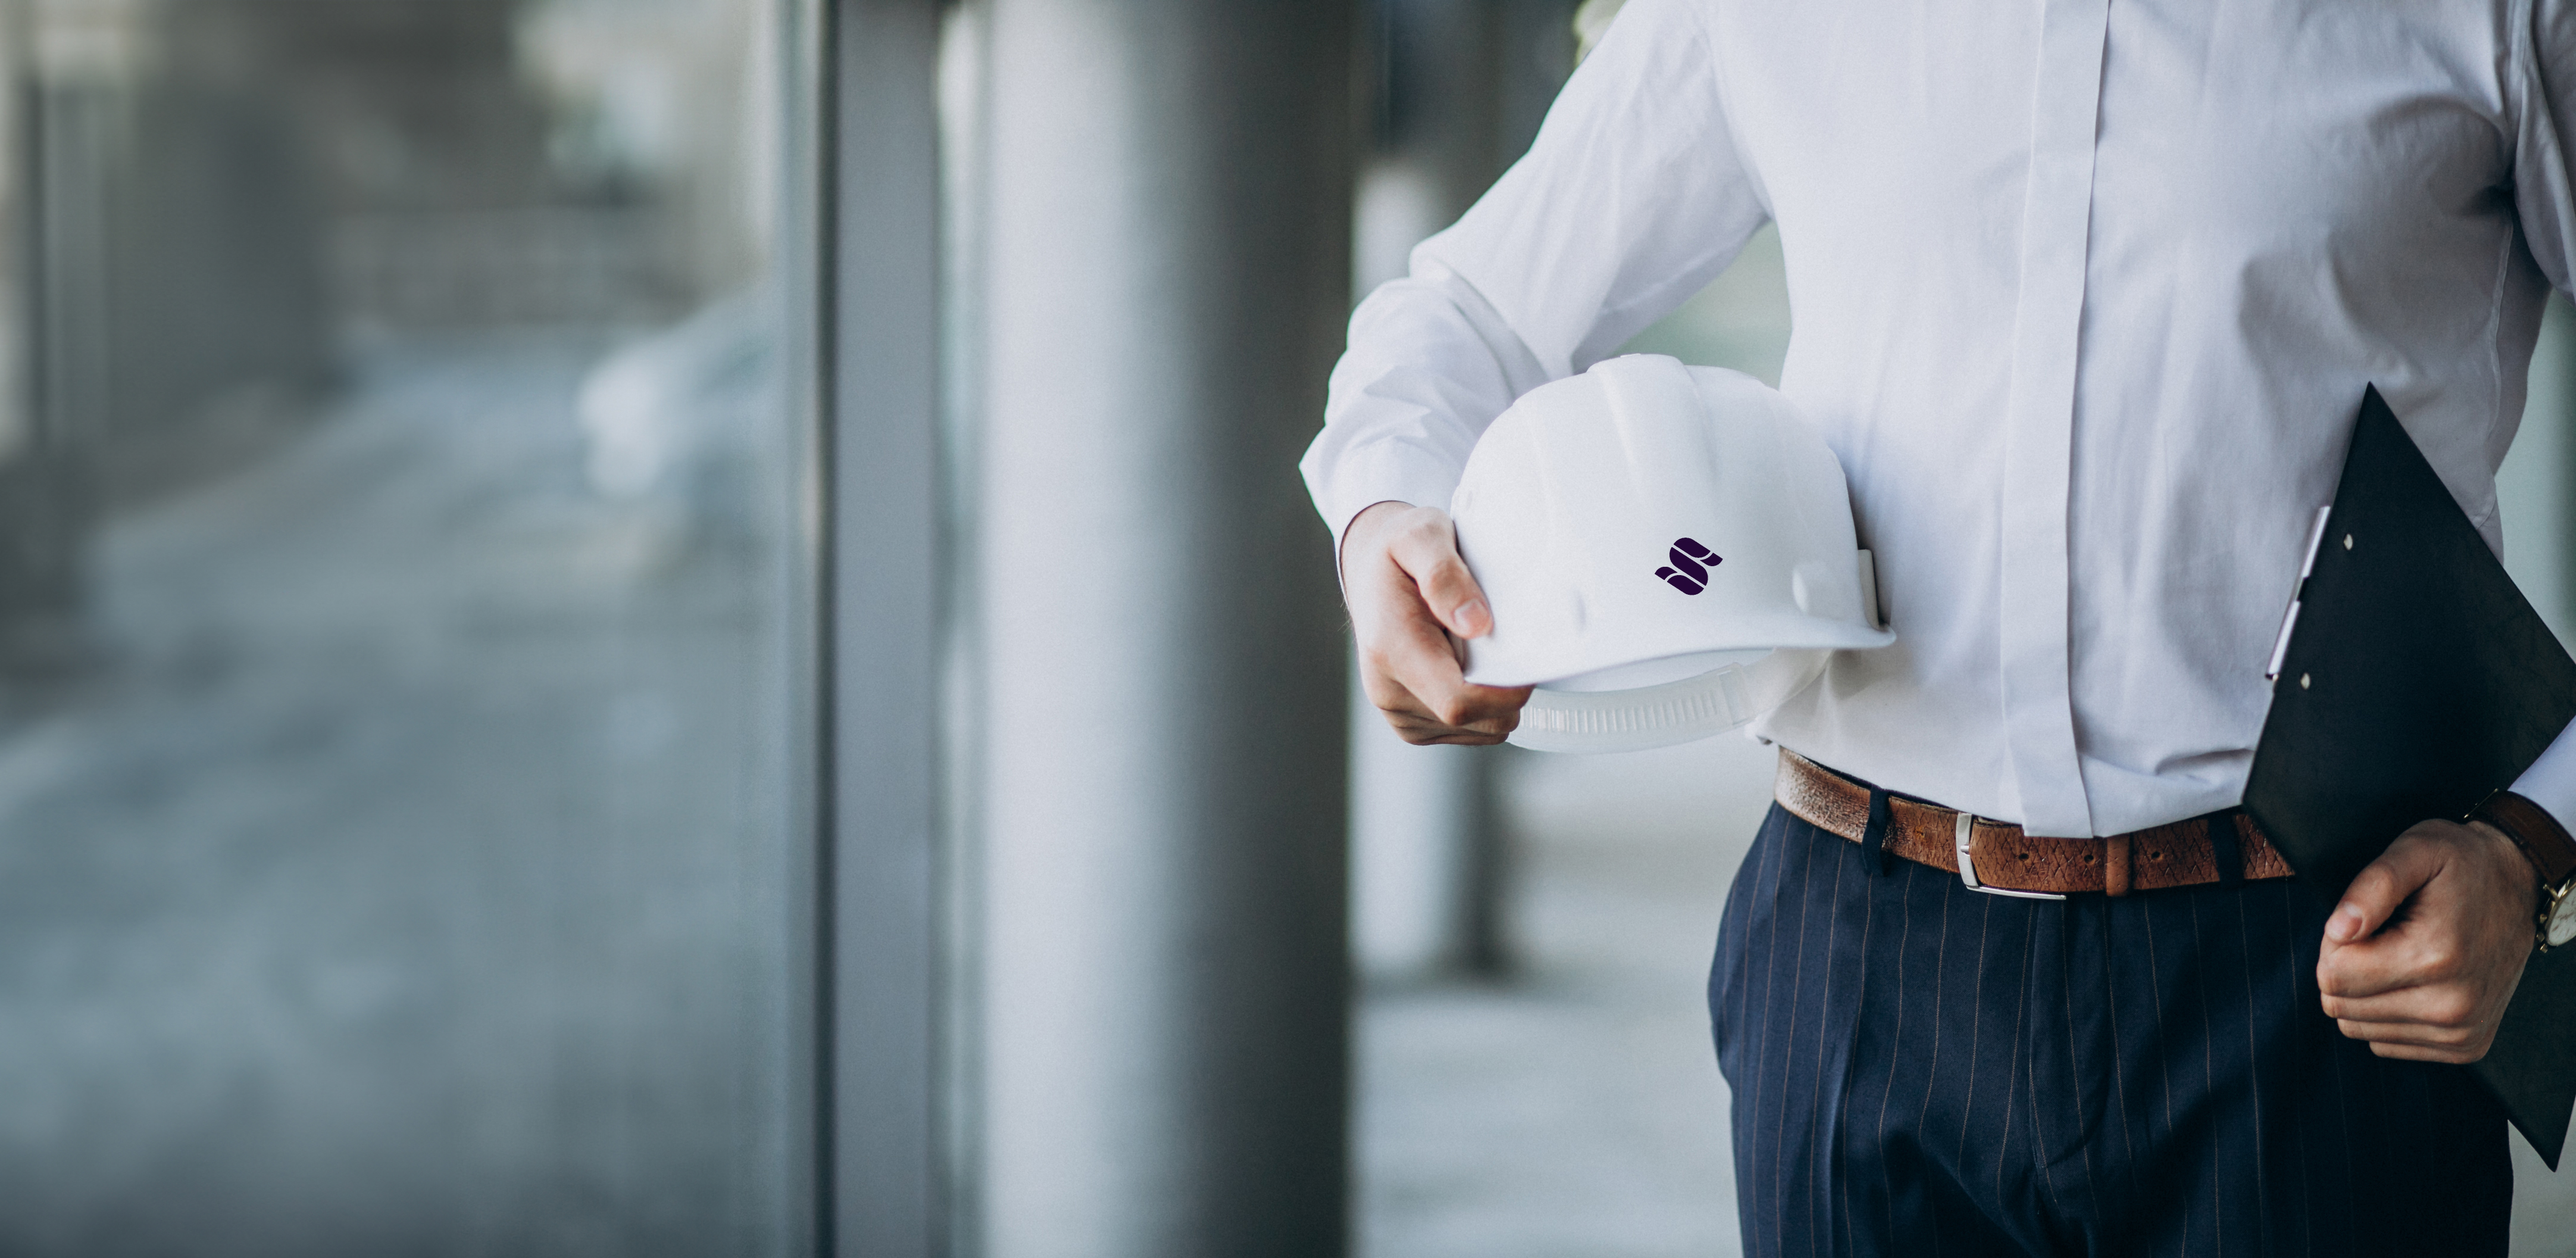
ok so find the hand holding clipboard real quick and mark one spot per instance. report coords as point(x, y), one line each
point(2412, 679)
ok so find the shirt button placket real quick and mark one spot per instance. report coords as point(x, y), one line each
point(2039, 715)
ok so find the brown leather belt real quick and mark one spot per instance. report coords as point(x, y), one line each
point(2000, 858)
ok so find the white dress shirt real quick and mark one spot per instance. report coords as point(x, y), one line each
point(2084, 297)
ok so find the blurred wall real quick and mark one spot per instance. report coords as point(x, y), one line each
point(214, 196)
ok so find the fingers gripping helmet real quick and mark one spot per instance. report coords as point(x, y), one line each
point(1668, 552)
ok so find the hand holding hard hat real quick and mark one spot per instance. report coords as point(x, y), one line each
point(1663, 552)
point(1411, 602)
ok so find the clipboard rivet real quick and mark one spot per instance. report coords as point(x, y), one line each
point(2347, 541)
point(2303, 681)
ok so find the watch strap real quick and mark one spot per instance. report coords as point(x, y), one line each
point(2551, 849)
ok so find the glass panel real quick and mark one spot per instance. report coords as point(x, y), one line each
point(398, 598)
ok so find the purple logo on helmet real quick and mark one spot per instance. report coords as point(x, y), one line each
point(1689, 570)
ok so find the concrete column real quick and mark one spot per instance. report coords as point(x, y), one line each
point(49, 502)
point(885, 972)
point(1165, 1034)
point(1460, 90)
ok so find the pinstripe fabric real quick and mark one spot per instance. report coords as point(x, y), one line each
point(1923, 1069)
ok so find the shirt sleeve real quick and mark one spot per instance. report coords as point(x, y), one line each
point(1631, 200)
point(2543, 103)
point(2545, 200)
point(2551, 780)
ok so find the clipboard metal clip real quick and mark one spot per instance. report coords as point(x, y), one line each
point(2290, 618)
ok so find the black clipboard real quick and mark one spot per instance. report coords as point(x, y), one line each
point(2412, 678)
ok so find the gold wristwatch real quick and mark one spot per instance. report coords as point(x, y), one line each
point(2553, 856)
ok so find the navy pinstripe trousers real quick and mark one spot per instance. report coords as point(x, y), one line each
point(1923, 1069)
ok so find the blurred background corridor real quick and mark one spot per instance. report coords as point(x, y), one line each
point(624, 627)
point(396, 602)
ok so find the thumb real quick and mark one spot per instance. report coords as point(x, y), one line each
point(2376, 893)
point(1444, 584)
point(1450, 586)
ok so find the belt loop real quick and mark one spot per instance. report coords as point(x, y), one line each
point(2225, 851)
point(1873, 837)
point(2115, 865)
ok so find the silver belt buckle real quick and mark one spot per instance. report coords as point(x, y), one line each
point(1968, 866)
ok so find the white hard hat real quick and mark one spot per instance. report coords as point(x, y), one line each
point(1668, 552)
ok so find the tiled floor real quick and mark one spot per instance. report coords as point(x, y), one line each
point(1577, 1112)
